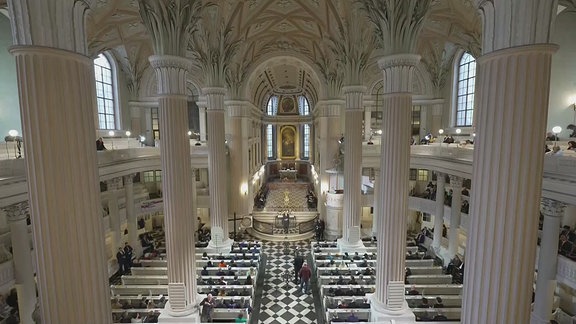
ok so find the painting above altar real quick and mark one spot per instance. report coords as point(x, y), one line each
point(289, 141)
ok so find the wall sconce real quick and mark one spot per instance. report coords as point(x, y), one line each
point(440, 131)
point(556, 130)
point(244, 189)
point(458, 131)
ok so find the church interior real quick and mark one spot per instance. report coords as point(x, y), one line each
point(288, 161)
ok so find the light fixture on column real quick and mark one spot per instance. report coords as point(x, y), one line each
point(370, 139)
point(556, 130)
point(244, 189)
point(458, 131)
point(128, 133)
point(12, 136)
point(440, 131)
point(189, 133)
point(111, 134)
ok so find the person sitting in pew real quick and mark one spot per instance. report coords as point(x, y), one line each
point(438, 303)
point(231, 272)
point(233, 263)
point(222, 264)
point(424, 303)
point(240, 318)
point(356, 256)
point(233, 292)
point(439, 317)
point(352, 281)
point(413, 291)
point(361, 280)
point(205, 256)
point(235, 281)
point(209, 263)
point(340, 281)
point(368, 271)
point(345, 256)
point(221, 282)
point(221, 272)
point(352, 317)
point(364, 263)
point(204, 271)
point(248, 280)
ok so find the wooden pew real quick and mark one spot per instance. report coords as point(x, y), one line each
point(449, 301)
point(145, 280)
point(362, 313)
point(135, 290)
point(427, 270)
point(429, 279)
point(451, 313)
point(434, 290)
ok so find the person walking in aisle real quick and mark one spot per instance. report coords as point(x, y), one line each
point(305, 274)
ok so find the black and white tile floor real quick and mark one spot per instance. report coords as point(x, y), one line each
point(281, 301)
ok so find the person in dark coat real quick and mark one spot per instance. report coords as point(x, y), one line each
point(100, 144)
point(298, 262)
point(121, 258)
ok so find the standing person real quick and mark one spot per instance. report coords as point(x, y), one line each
point(305, 274)
point(207, 304)
point(129, 253)
point(322, 228)
point(100, 144)
point(298, 262)
point(121, 258)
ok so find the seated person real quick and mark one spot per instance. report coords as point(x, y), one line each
point(248, 280)
point(352, 281)
point(438, 303)
point(345, 256)
point(340, 281)
point(231, 272)
point(222, 264)
point(240, 318)
point(221, 282)
point(233, 292)
point(440, 317)
point(221, 272)
point(205, 256)
point(235, 281)
point(424, 303)
point(356, 256)
point(352, 317)
point(413, 291)
point(364, 263)
point(368, 271)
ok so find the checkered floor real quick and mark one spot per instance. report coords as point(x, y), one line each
point(281, 301)
point(296, 194)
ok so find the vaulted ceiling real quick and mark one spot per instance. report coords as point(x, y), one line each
point(270, 29)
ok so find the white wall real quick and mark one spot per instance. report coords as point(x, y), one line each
point(563, 78)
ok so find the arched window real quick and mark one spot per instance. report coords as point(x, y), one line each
point(465, 96)
point(269, 142)
point(306, 141)
point(272, 107)
point(105, 93)
point(303, 106)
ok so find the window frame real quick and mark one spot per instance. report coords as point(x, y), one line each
point(113, 88)
point(463, 102)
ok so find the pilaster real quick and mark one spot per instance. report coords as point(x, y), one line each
point(218, 171)
point(177, 179)
point(131, 221)
point(114, 214)
point(376, 212)
point(394, 187)
point(548, 262)
point(23, 268)
point(352, 168)
point(439, 215)
point(455, 215)
point(239, 113)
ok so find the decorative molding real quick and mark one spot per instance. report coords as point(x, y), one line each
point(17, 212)
point(398, 72)
point(552, 208)
point(354, 97)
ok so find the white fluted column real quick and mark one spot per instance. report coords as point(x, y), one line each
point(171, 74)
point(23, 268)
point(548, 262)
point(114, 215)
point(328, 133)
point(455, 215)
point(64, 217)
point(351, 239)
point(239, 114)
point(512, 87)
point(217, 170)
point(394, 186)
point(202, 121)
point(439, 215)
point(131, 221)
point(367, 123)
point(375, 204)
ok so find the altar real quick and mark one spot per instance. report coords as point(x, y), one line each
point(288, 174)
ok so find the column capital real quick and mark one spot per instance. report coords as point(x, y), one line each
point(214, 97)
point(398, 72)
point(17, 212)
point(330, 107)
point(237, 108)
point(456, 182)
point(170, 74)
point(51, 24)
point(503, 29)
point(552, 208)
point(129, 179)
point(354, 97)
point(440, 176)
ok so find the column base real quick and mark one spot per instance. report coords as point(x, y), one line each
point(187, 315)
point(379, 313)
point(222, 247)
point(346, 246)
point(535, 319)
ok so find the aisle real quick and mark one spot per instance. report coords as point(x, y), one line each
point(281, 301)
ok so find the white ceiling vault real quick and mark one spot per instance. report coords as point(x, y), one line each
point(281, 40)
